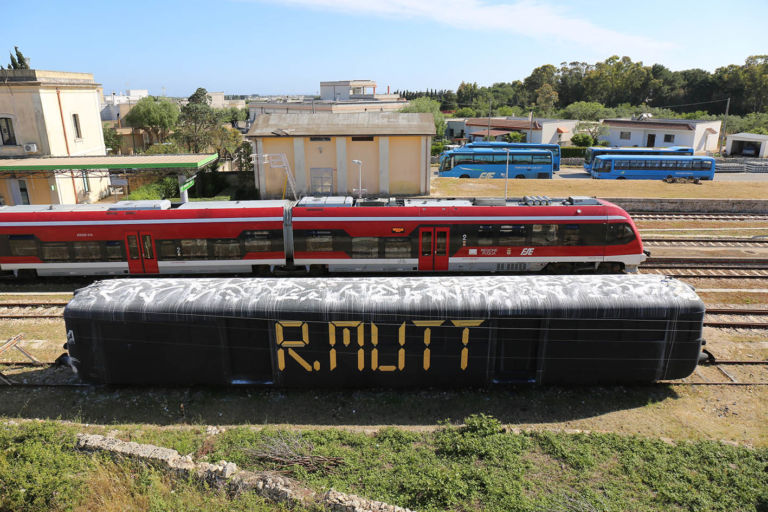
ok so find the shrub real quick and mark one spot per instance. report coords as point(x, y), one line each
point(162, 189)
point(465, 112)
point(582, 140)
point(572, 152)
point(437, 148)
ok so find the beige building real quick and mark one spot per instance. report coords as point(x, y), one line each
point(49, 113)
point(322, 151)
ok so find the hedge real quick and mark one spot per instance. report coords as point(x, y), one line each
point(572, 152)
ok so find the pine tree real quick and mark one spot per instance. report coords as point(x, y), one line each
point(22, 60)
point(14, 64)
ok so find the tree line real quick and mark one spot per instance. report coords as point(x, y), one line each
point(194, 127)
point(616, 83)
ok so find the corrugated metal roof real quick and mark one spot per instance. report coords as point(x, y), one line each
point(107, 162)
point(359, 123)
point(504, 124)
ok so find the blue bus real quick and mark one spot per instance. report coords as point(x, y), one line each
point(593, 152)
point(635, 167)
point(467, 162)
point(554, 148)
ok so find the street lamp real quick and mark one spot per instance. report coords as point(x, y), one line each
point(360, 179)
point(506, 178)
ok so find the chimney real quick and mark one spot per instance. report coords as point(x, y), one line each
point(387, 89)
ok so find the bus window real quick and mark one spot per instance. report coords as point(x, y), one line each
point(483, 159)
point(462, 159)
point(521, 159)
point(542, 159)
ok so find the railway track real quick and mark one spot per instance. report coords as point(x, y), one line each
point(740, 243)
point(705, 263)
point(726, 217)
point(716, 273)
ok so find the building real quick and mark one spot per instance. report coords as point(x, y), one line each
point(218, 100)
point(49, 113)
point(538, 130)
point(345, 96)
point(322, 150)
point(747, 144)
point(646, 131)
point(116, 106)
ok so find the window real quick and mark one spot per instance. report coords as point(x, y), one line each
point(87, 251)
point(76, 122)
point(320, 139)
point(114, 250)
point(485, 235)
point(7, 136)
point(462, 159)
point(511, 234)
point(257, 241)
point(544, 234)
point(22, 245)
point(133, 247)
point(321, 181)
point(167, 250)
point(625, 135)
point(226, 249)
point(147, 246)
point(542, 159)
point(619, 234)
point(483, 159)
point(397, 248)
point(23, 192)
point(521, 159)
point(320, 241)
point(365, 247)
point(54, 251)
point(362, 139)
point(193, 248)
point(668, 137)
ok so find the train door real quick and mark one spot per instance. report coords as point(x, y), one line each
point(142, 257)
point(433, 248)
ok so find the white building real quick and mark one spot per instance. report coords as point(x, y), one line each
point(538, 130)
point(116, 106)
point(702, 136)
point(747, 144)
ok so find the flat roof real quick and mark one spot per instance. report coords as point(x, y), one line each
point(342, 124)
point(186, 161)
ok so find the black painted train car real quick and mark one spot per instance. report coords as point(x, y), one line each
point(407, 331)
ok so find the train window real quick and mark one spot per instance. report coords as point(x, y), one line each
point(257, 241)
point(426, 243)
point(485, 235)
point(167, 249)
point(591, 234)
point(365, 247)
point(114, 250)
point(54, 251)
point(147, 246)
point(86, 251)
point(441, 243)
point(544, 234)
point(22, 245)
point(511, 234)
point(571, 234)
point(226, 249)
point(397, 248)
point(194, 248)
point(320, 241)
point(133, 247)
point(619, 234)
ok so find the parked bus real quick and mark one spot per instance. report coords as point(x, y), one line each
point(554, 148)
point(589, 156)
point(471, 162)
point(634, 167)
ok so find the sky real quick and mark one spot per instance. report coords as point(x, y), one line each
point(290, 46)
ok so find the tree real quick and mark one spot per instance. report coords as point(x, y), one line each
point(515, 137)
point(197, 122)
point(593, 129)
point(507, 111)
point(586, 111)
point(427, 105)
point(111, 139)
point(233, 114)
point(155, 115)
point(242, 158)
point(546, 97)
point(19, 61)
point(466, 94)
point(226, 141)
point(465, 112)
point(448, 102)
point(163, 148)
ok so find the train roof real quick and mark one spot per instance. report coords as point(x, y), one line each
point(159, 204)
point(347, 201)
point(654, 157)
point(646, 295)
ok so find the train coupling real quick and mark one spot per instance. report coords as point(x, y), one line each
point(647, 252)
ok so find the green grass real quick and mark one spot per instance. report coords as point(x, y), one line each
point(475, 466)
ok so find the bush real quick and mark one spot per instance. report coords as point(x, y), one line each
point(465, 112)
point(582, 140)
point(572, 152)
point(437, 148)
point(162, 189)
point(515, 137)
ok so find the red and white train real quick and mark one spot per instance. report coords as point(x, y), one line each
point(336, 234)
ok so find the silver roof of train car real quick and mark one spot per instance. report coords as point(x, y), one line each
point(647, 295)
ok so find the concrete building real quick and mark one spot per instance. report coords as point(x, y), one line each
point(321, 150)
point(702, 136)
point(49, 113)
point(538, 131)
point(345, 96)
point(747, 144)
point(115, 107)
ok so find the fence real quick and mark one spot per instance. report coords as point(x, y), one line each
point(741, 165)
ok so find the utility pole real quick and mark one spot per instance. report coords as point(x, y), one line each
point(725, 125)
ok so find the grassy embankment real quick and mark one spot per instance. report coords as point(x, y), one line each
point(478, 466)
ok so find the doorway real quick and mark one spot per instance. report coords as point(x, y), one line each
point(433, 248)
point(651, 140)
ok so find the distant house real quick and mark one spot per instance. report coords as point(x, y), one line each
point(747, 144)
point(321, 149)
point(49, 113)
point(702, 136)
point(538, 130)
